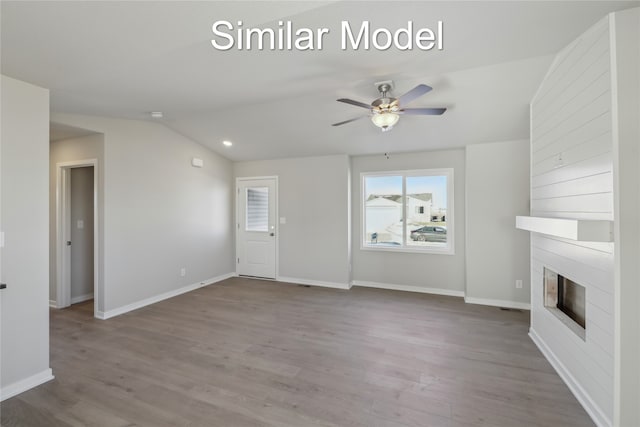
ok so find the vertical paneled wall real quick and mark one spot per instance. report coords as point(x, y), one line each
point(571, 177)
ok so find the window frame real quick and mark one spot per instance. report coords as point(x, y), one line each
point(448, 249)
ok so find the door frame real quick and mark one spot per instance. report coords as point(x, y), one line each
point(277, 220)
point(63, 230)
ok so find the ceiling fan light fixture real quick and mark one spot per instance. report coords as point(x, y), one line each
point(385, 111)
point(385, 120)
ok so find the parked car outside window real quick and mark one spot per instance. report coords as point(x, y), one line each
point(429, 233)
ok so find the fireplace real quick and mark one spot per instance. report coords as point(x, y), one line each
point(566, 300)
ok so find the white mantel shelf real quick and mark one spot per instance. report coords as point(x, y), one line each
point(574, 229)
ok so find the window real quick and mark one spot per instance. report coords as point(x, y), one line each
point(407, 211)
point(257, 209)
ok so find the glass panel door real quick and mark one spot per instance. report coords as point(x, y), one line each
point(257, 209)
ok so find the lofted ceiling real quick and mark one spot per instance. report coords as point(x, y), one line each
point(126, 59)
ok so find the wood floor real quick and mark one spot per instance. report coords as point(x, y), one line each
point(256, 353)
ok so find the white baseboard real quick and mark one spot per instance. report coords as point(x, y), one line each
point(408, 288)
point(498, 303)
point(594, 411)
point(325, 284)
point(25, 384)
point(74, 300)
point(81, 298)
point(152, 300)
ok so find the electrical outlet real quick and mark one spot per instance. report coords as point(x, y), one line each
point(518, 284)
point(183, 272)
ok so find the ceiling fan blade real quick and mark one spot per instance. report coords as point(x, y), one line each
point(347, 121)
point(414, 93)
point(356, 103)
point(423, 111)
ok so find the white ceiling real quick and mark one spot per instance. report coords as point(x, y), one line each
point(59, 131)
point(125, 59)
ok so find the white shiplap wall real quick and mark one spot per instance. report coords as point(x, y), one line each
point(571, 119)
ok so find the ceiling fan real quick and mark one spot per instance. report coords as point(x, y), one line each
point(386, 110)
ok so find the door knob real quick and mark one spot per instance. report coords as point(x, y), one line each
point(272, 234)
point(3, 286)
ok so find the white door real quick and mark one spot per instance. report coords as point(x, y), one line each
point(256, 227)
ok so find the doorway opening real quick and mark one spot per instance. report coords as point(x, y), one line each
point(77, 238)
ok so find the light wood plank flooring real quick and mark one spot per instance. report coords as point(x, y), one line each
point(256, 353)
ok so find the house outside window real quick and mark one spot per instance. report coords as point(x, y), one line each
point(408, 211)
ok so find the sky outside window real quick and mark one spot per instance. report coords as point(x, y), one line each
point(383, 185)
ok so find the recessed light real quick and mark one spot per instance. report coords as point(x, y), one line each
point(157, 114)
point(227, 143)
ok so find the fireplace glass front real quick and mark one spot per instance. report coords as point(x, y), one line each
point(565, 299)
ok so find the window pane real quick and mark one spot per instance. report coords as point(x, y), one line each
point(426, 211)
point(383, 210)
point(257, 209)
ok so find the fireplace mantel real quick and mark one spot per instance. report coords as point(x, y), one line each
point(574, 229)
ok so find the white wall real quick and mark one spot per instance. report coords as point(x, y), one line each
point(625, 37)
point(81, 236)
point(75, 149)
point(24, 306)
point(426, 272)
point(160, 213)
point(314, 198)
point(497, 190)
point(571, 117)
